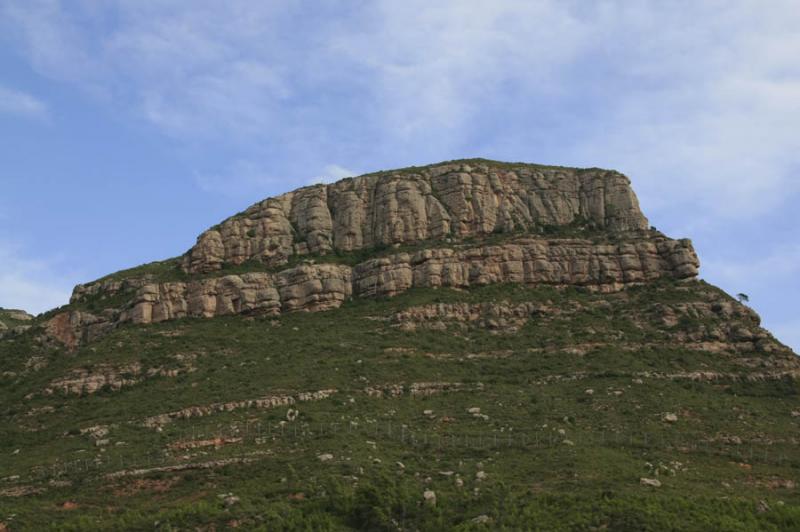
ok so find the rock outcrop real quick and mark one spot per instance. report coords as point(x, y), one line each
point(500, 318)
point(15, 314)
point(449, 200)
point(74, 327)
point(471, 223)
point(603, 267)
point(13, 321)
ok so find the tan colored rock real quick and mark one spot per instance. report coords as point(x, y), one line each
point(496, 317)
point(429, 497)
point(458, 200)
point(603, 267)
point(314, 287)
point(261, 403)
point(86, 382)
point(107, 287)
point(444, 203)
point(72, 328)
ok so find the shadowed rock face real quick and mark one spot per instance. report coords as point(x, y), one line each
point(449, 200)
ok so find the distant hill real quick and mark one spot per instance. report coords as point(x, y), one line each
point(13, 320)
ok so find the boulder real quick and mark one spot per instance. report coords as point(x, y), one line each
point(429, 497)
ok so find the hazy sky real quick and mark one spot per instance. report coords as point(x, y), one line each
point(128, 127)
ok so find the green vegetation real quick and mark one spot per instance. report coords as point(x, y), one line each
point(13, 317)
point(163, 270)
point(501, 165)
point(729, 462)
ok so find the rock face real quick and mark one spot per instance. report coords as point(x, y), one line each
point(74, 327)
point(449, 200)
point(472, 222)
point(603, 267)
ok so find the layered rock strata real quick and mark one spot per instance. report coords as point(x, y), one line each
point(603, 267)
point(445, 209)
point(449, 200)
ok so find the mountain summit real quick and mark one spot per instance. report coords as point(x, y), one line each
point(456, 224)
point(504, 345)
point(456, 200)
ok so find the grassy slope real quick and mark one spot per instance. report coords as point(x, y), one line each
point(9, 318)
point(533, 478)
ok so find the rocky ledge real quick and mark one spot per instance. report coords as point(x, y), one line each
point(454, 200)
point(471, 223)
point(603, 267)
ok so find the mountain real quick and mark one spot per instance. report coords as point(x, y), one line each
point(470, 345)
point(13, 321)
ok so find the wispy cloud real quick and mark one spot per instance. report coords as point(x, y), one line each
point(34, 285)
point(429, 69)
point(699, 102)
point(332, 173)
point(22, 104)
point(52, 39)
point(780, 265)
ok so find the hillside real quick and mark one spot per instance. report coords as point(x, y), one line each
point(469, 345)
point(13, 320)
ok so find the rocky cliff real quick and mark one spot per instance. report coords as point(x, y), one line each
point(466, 223)
point(450, 200)
point(493, 335)
point(598, 267)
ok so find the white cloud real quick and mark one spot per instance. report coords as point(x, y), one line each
point(22, 104)
point(332, 173)
point(429, 68)
point(708, 118)
point(55, 44)
point(30, 284)
point(698, 102)
point(780, 265)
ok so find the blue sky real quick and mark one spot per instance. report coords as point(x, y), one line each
point(128, 127)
